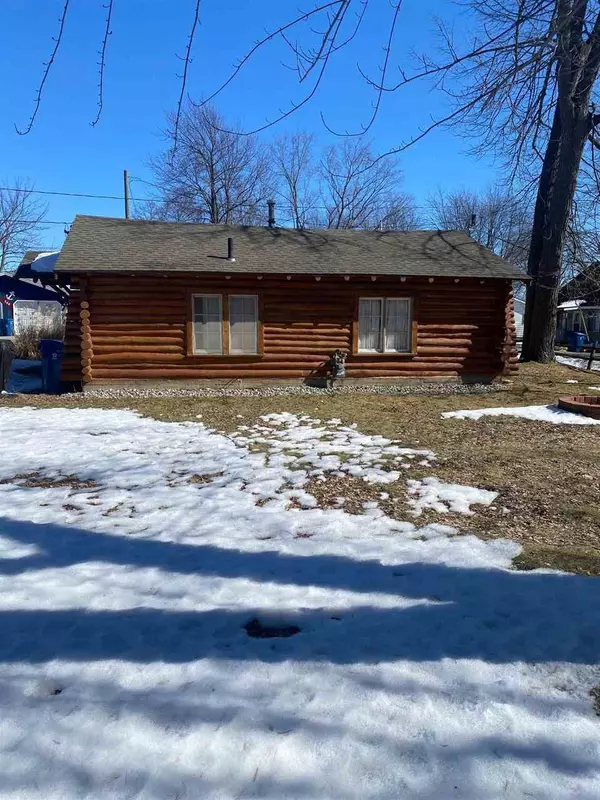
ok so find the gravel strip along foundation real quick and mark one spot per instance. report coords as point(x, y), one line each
point(281, 391)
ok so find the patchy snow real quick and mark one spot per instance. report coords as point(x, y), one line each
point(578, 363)
point(551, 414)
point(572, 381)
point(594, 388)
point(45, 262)
point(138, 551)
point(431, 493)
point(319, 447)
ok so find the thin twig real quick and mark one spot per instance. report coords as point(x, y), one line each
point(107, 32)
point(185, 73)
point(384, 69)
point(261, 42)
point(48, 67)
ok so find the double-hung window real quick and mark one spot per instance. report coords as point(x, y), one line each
point(384, 325)
point(225, 324)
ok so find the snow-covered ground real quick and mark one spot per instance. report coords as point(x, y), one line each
point(553, 414)
point(133, 553)
point(579, 363)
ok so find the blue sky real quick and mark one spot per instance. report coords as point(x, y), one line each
point(64, 153)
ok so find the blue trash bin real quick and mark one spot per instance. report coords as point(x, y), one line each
point(576, 341)
point(51, 351)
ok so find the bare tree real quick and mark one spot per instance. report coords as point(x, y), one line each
point(294, 174)
point(21, 220)
point(494, 218)
point(360, 191)
point(212, 176)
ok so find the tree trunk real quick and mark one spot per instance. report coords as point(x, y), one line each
point(542, 202)
point(547, 260)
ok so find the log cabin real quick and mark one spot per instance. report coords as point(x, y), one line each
point(166, 301)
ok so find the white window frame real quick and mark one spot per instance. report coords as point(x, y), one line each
point(206, 352)
point(382, 349)
point(253, 352)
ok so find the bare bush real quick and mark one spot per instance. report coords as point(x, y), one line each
point(27, 340)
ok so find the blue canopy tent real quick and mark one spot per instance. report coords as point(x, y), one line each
point(12, 289)
point(22, 290)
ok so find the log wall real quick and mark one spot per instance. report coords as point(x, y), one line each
point(138, 327)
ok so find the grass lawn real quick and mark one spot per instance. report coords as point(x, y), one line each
point(547, 476)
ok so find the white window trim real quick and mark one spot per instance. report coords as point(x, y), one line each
point(383, 299)
point(254, 352)
point(193, 301)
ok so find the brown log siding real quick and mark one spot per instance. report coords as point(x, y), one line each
point(130, 327)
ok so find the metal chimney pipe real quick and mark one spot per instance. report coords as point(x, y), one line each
point(230, 256)
point(271, 205)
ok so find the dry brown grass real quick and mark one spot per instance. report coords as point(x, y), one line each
point(547, 476)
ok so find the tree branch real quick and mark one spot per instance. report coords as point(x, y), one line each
point(107, 32)
point(46, 72)
point(185, 72)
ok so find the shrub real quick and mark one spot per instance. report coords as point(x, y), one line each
point(27, 340)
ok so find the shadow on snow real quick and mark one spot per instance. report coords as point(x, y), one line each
point(496, 615)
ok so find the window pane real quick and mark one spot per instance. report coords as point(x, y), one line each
point(369, 323)
point(397, 325)
point(208, 318)
point(243, 323)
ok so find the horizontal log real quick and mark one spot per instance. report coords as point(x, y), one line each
point(444, 351)
point(450, 327)
point(301, 345)
point(432, 341)
point(139, 329)
point(118, 358)
point(149, 341)
point(129, 304)
point(136, 348)
point(142, 319)
point(133, 374)
point(129, 326)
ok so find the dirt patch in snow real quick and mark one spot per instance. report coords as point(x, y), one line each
point(34, 480)
point(203, 479)
point(348, 493)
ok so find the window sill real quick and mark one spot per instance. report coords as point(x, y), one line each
point(385, 354)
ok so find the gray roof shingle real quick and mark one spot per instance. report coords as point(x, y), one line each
point(103, 244)
point(30, 257)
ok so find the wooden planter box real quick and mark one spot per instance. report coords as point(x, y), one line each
point(587, 405)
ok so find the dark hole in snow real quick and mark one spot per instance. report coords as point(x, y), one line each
point(257, 630)
point(49, 688)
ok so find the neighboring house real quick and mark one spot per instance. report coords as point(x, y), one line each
point(162, 300)
point(28, 287)
point(579, 305)
point(519, 317)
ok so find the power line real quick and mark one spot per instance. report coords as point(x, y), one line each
point(72, 194)
point(41, 222)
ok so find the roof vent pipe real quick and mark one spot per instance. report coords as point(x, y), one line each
point(271, 205)
point(230, 249)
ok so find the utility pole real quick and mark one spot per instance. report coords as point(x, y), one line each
point(126, 188)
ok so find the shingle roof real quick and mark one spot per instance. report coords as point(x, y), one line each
point(102, 244)
point(30, 257)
